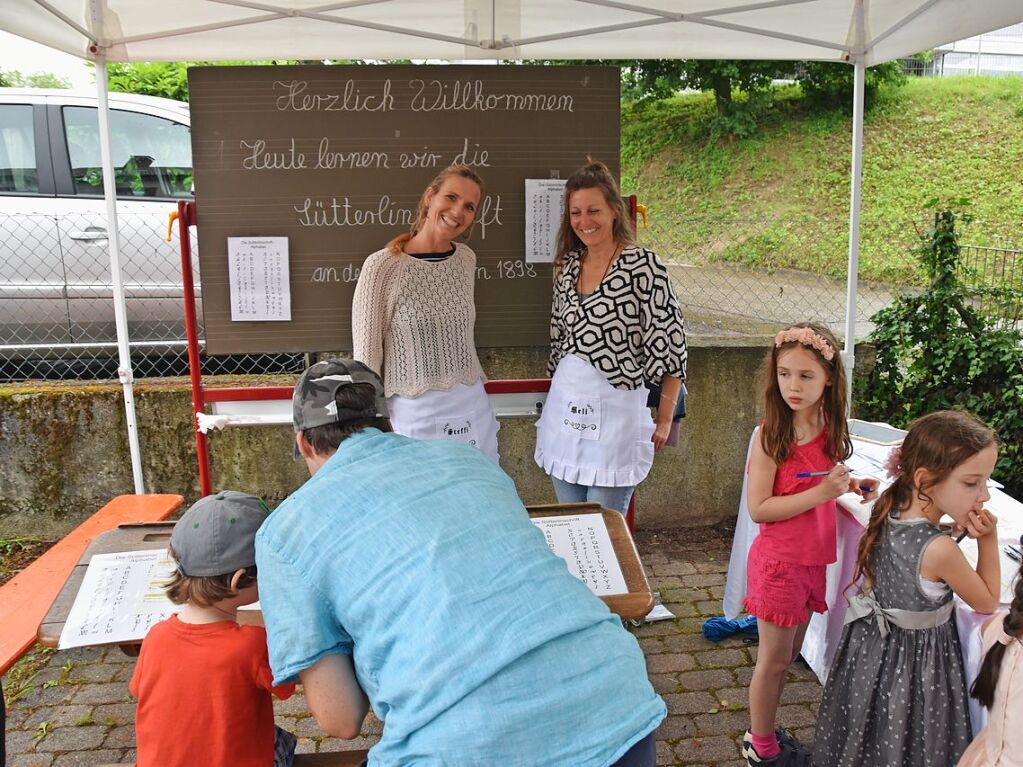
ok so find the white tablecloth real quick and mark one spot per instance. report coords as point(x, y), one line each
point(825, 630)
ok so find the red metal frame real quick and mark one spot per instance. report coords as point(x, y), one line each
point(201, 395)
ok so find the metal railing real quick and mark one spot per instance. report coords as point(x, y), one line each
point(995, 278)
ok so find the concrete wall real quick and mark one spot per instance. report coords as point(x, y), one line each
point(63, 451)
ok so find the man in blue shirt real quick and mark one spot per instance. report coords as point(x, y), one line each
point(407, 574)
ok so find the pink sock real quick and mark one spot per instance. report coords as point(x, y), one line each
point(766, 745)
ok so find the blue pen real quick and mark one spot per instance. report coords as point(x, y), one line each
point(808, 474)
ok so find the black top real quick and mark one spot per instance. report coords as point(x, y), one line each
point(434, 256)
point(629, 328)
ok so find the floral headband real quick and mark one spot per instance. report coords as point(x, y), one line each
point(806, 337)
point(891, 466)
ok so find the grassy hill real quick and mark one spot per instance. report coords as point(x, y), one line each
point(780, 199)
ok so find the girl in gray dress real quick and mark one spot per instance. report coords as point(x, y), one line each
point(896, 692)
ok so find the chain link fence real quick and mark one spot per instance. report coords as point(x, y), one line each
point(57, 308)
point(740, 274)
point(736, 275)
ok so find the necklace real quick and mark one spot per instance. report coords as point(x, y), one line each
point(607, 269)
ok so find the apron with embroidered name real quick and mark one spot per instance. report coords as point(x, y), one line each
point(462, 413)
point(591, 433)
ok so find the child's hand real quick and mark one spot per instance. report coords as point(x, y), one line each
point(979, 524)
point(836, 483)
point(866, 487)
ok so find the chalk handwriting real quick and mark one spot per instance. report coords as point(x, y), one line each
point(347, 273)
point(293, 97)
point(472, 96)
point(476, 157)
point(329, 159)
point(259, 158)
point(341, 212)
point(489, 214)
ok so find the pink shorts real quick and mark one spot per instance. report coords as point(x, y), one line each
point(783, 593)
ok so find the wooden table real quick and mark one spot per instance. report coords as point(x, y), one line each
point(128, 537)
point(634, 604)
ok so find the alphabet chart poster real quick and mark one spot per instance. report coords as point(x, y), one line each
point(258, 268)
point(544, 206)
point(583, 542)
point(121, 597)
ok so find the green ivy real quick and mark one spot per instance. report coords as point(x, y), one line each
point(937, 351)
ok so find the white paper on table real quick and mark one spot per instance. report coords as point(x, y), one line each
point(544, 208)
point(583, 542)
point(120, 598)
point(260, 288)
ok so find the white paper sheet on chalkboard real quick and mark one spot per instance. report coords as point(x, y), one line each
point(120, 598)
point(258, 270)
point(583, 542)
point(544, 206)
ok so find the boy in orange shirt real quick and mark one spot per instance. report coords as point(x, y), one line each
point(202, 681)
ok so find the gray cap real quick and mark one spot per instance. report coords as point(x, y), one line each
point(218, 534)
point(314, 399)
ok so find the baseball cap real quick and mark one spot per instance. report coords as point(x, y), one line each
point(314, 399)
point(218, 534)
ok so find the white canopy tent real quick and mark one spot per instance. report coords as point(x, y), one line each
point(859, 32)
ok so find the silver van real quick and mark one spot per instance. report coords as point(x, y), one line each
point(55, 287)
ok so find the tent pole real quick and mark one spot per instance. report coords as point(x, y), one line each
point(849, 354)
point(124, 371)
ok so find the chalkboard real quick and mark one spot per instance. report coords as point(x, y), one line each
point(335, 158)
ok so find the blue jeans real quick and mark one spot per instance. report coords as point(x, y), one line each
point(642, 754)
point(615, 498)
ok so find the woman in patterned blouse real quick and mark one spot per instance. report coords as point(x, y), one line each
point(615, 325)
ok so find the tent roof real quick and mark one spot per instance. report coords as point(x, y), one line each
point(192, 30)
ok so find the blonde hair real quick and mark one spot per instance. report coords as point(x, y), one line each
point(778, 431)
point(593, 175)
point(398, 243)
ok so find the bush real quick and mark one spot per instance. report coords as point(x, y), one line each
point(828, 83)
point(936, 351)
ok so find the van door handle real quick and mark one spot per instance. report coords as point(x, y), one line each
point(89, 235)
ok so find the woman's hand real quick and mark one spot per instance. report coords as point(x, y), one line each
point(670, 389)
point(661, 431)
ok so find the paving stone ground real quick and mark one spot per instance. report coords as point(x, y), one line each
point(73, 708)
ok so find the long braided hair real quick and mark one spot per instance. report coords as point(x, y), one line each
point(984, 686)
point(938, 443)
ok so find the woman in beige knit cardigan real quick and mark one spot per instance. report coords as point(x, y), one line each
point(413, 317)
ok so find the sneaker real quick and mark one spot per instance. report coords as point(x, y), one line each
point(783, 736)
point(792, 754)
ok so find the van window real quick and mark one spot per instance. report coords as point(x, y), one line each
point(18, 171)
point(152, 157)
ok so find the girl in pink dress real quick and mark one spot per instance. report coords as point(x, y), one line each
point(795, 475)
point(999, 687)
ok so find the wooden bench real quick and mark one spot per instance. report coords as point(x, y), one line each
point(25, 598)
point(335, 759)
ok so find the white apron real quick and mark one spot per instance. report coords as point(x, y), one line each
point(591, 433)
point(462, 413)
